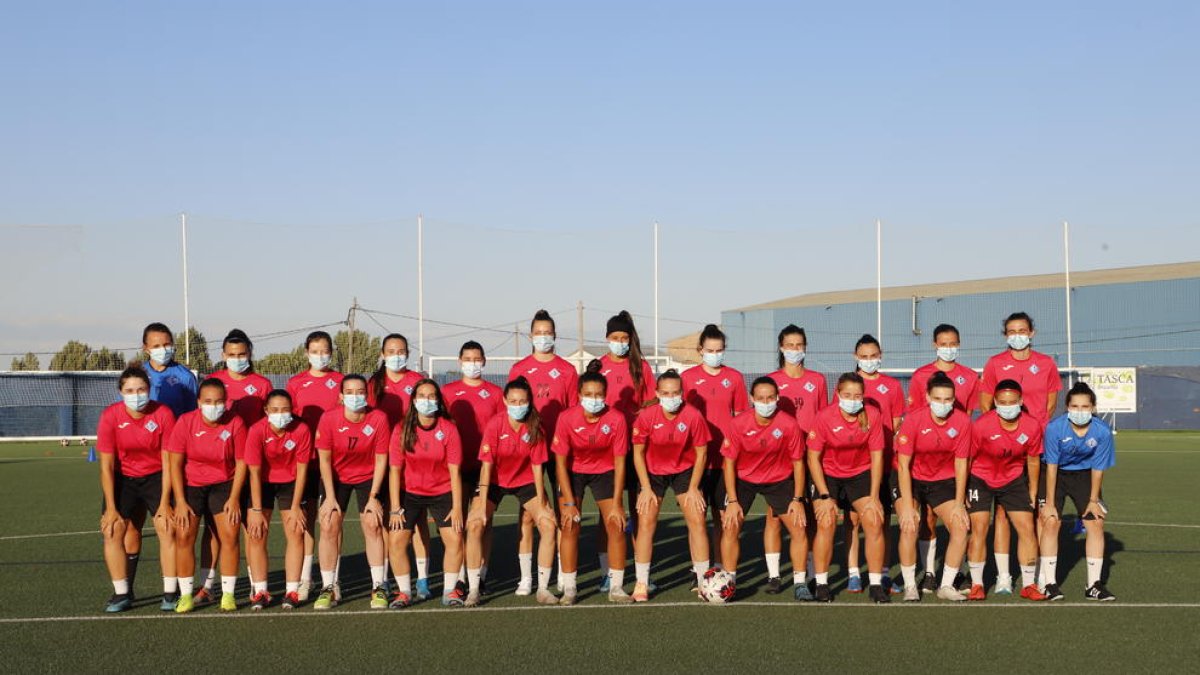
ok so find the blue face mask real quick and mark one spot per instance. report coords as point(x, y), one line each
point(279, 420)
point(765, 409)
point(713, 359)
point(618, 348)
point(396, 362)
point(354, 402)
point(941, 410)
point(543, 343)
point(670, 403)
point(319, 361)
point(426, 406)
point(518, 412)
point(592, 405)
point(136, 402)
point(850, 406)
point(869, 366)
point(162, 355)
point(1019, 342)
point(1008, 413)
point(948, 354)
point(1080, 418)
point(237, 365)
point(793, 356)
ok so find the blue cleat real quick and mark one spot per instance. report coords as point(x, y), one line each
point(422, 593)
point(168, 602)
point(605, 583)
point(854, 584)
point(118, 603)
point(803, 594)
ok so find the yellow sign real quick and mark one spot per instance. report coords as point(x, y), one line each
point(1116, 388)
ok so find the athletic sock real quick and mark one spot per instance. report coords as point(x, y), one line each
point(255, 586)
point(543, 578)
point(291, 586)
point(976, 572)
point(185, 585)
point(121, 586)
point(404, 584)
point(616, 579)
point(809, 568)
point(473, 580)
point(462, 571)
point(603, 560)
point(948, 574)
point(1049, 570)
point(642, 572)
point(909, 572)
point(700, 567)
point(1028, 575)
point(422, 568)
point(449, 581)
point(1003, 570)
point(170, 584)
point(306, 570)
point(1094, 567)
point(875, 578)
point(327, 578)
point(923, 546)
point(798, 578)
point(772, 564)
point(209, 574)
point(131, 565)
point(855, 572)
point(378, 575)
point(525, 560)
point(568, 581)
point(228, 584)
point(822, 578)
point(483, 573)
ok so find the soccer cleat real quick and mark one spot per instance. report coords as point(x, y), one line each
point(260, 600)
point(228, 602)
point(774, 586)
point(1098, 592)
point(454, 598)
point(605, 583)
point(912, 593)
point(422, 593)
point(952, 594)
point(568, 597)
point(822, 594)
point(929, 584)
point(118, 603)
point(854, 584)
point(400, 600)
point(619, 596)
point(977, 593)
point(202, 597)
point(525, 587)
point(379, 598)
point(291, 600)
point(545, 597)
point(894, 587)
point(1031, 592)
point(879, 595)
point(303, 591)
point(1003, 586)
point(962, 582)
point(1053, 593)
point(802, 594)
point(641, 592)
point(185, 604)
point(472, 599)
point(337, 591)
point(326, 599)
point(168, 602)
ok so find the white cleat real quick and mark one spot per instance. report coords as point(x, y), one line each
point(303, 591)
point(525, 587)
point(472, 599)
point(568, 598)
point(545, 597)
point(619, 596)
point(1003, 586)
point(912, 593)
point(950, 593)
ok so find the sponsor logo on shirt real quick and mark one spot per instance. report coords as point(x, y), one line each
point(151, 426)
point(656, 426)
point(305, 385)
point(368, 430)
point(460, 392)
point(1008, 366)
point(777, 433)
point(122, 425)
point(200, 433)
point(342, 430)
point(579, 430)
point(926, 431)
point(290, 445)
point(994, 437)
point(606, 372)
point(224, 435)
point(751, 433)
point(837, 429)
point(505, 436)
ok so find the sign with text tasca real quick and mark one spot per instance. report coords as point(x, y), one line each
point(1116, 388)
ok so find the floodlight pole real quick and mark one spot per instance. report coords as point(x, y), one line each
point(187, 324)
point(420, 293)
point(656, 294)
point(878, 280)
point(1067, 283)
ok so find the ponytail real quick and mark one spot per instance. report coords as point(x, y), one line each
point(592, 374)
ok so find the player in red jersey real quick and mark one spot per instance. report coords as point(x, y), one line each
point(314, 392)
point(590, 444)
point(131, 438)
point(717, 392)
point(511, 455)
point(933, 447)
point(1039, 379)
point(670, 447)
point(277, 453)
point(845, 457)
point(208, 474)
point(352, 443)
point(764, 455)
point(425, 455)
point(1006, 444)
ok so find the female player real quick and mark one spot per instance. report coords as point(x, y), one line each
point(764, 455)
point(1078, 449)
point(314, 392)
point(932, 449)
point(426, 454)
point(1040, 384)
point(511, 456)
point(131, 439)
point(171, 382)
point(590, 444)
point(352, 442)
point(208, 473)
point(555, 389)
point(717, 392)
point(1005, 445)
point(277, 453)
point(670, 447)
point(845, 456)
point(884, 393)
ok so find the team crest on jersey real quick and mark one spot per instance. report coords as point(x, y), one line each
point(882, 389)
point(441, 436)
point(1091, 443)
point(810, 387)
point(368, 430)
point(681, 426)
point(483, 393)
point(1033, 369)
point(1022, 439)
point(225, 435)
point(525, 437)
point(330, 384)
point(726, 383)
point(290, 445)
point(605, 429)
point(408, 390)
point(778, 433)
point(151, 426)
point(960, 380)
point(952, 433)
point(251, 389)
point(554, 374)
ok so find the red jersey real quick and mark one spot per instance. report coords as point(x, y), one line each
point(844, 446)
point(801, 397)
point(1037, 375)
point(353, 445)
point(670, 443)
point(764, 454)
point(591, 446)
point(886, 394)
point(510, 453)
point(621, 394)
point(279, 453)
point(426, 467)
point(138, 444)
point(396, 395)
point(246, 397)
point(966, 386)
point(472, 408)
point(211, 453)
point(932, 446)
point(717, 398)
point(313, 396)
point(998, 455)
point(555, 387)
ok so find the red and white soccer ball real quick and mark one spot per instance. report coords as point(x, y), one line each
point(717, 586)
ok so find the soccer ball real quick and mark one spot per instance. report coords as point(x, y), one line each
point(717, 586)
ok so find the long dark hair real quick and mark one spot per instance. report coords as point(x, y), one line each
point(378, 383)
point(855, 378)
point(532, 421)
point(623, 322)
point(408, 432)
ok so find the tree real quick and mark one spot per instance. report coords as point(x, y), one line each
point(28, 362)
point(73, 356)
point(199, 360)
point(283, 363)
point(366, 352)
point(104, 359)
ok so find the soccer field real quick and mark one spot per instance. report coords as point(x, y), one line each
point(54, 585)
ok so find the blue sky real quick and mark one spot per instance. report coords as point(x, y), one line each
point(542, 139)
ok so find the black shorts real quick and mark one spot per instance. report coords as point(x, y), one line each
point(600, 483)
point(437, 507)
point(678, 482)
point(712, 481)
point(1014, 496)
point(931, 493)
point(342, 492)
point(1074, 484)
point(133, 494)
point(777, 495)
point(209, 500)
point(278, 496)
point(313, 485)
point(887, 496)
point(846, 491)
point(523, 493)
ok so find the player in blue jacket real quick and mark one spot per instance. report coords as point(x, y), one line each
point(171, 383)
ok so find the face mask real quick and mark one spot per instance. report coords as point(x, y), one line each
point(136, 402)
point(941, 410)
point(319, 361)
point(794, 357)
point(1008, 412)
point(671, 403)
point(162, 355)
point(518, 412)
point(279, 420)
point(850, 406)
point(765, 409)
point(713, 360)
point(472, 369)
point(592, 405)
point(212, 413)
point(948, 354)
point(543, 343)
point(396, 362)
point(1080, 418)
point(237, 365)
point(354, 402)
point(869, 366)
point(426, 406)
point(618, 348)
point(1018, 342)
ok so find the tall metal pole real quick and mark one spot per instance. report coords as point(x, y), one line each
point(350, 348)
point(579, 327)
point(420, 293)
point(878, 280)
point(187, 321)
point(655, 294)
point(1067, 283)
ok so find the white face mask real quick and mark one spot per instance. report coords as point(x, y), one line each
point(670, 403)
point(354, 402)
point(136, 402)
point(426, 406)
point(162, 355)
point(212, 413)
point(941, 410)
point(765, 409)
point(948, 354)
point(850, 406)
point(1008, 413)
point(472, 369)
point(592, 405)
point(396, 362)
point(1080, 418)
point(319, 361)
point(869, 366)
point(543, 343)
point(279, 420)
point(237, 365)
point(793, 356)
point(713, 359)
point(618, 348)
point(1019, 342)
